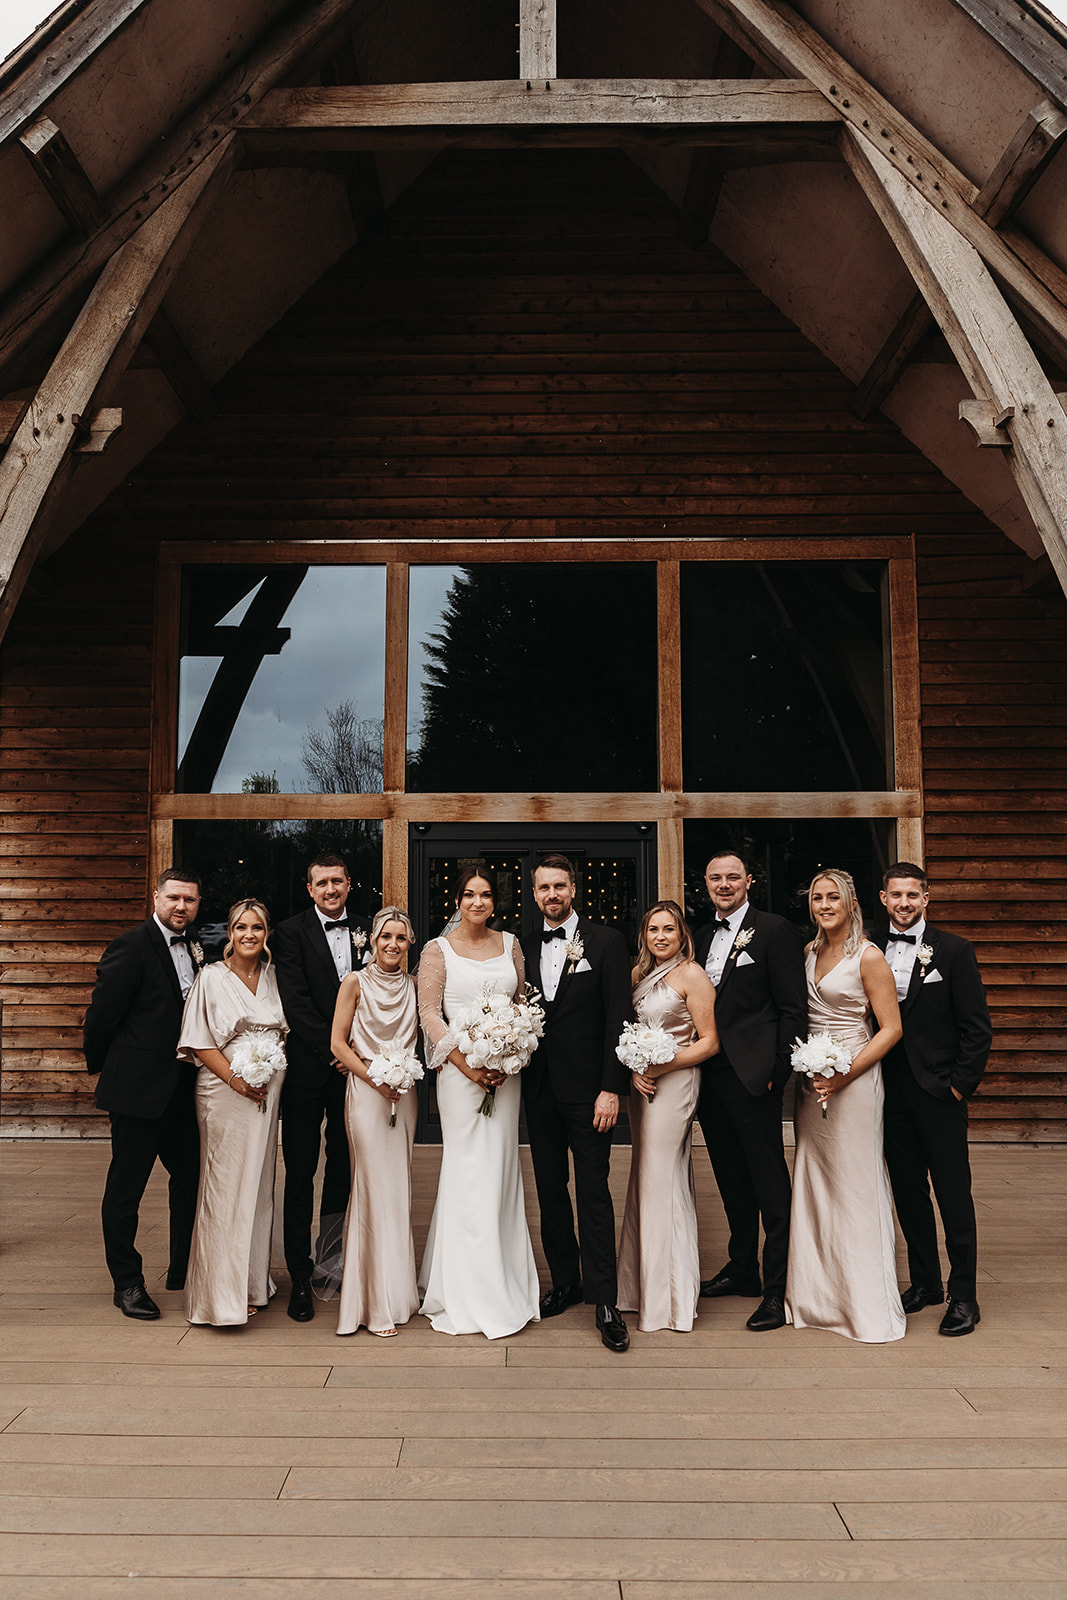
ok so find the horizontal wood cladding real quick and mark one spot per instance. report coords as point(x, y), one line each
point(527, 352)
point(993, 670)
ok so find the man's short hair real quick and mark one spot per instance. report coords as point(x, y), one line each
point(327, 861)
point(556, 863)
point(728, 850)
point(177, 875)
point(905, 869)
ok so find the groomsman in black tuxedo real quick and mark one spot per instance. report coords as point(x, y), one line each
point(756, 963)
point(313, 951)
point(131, 1039)
point(571, 1090)
point(929, 1077)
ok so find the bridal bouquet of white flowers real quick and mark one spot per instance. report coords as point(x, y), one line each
point(499, 1034)
point(644, 1044)
point(394, 1067)
point(256, 1056)
point(818, 1056)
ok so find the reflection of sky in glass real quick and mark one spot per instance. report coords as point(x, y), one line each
point(336, 652)
point(427, 592)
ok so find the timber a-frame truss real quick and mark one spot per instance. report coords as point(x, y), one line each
point(996, 297)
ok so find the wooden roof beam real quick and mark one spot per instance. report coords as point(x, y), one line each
point(561, 112)
point(706, 170)
point(54, 54)
point(63, 175)
point(537, 40)
point(1040, 135)
point(307, 35)
point(37, 463)
point(792, 46)
point(986, 340)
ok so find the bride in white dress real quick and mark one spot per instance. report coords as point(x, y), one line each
point(478, 1273)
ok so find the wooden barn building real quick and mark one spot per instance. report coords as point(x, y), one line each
point(445, 430)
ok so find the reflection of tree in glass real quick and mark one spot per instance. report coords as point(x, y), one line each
point(542, 678)
point(261, 783)
point(347, 756)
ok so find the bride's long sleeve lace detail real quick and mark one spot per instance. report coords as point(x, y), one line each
point(520, 968)
point(439, 1045)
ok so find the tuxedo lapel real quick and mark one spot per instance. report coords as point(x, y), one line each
point(319, 943)
point(161, 946)
point(731, 959)
point(915, 986)
point(567, 974)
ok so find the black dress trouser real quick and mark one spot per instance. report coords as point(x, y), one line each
point(743, 1133)
point(136, 1144)
point(303, 1108)
point(555, 1130)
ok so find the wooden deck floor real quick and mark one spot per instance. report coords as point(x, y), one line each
point(169, 1463)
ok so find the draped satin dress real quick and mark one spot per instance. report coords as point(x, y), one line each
point(659, 1259)
point(229, 1262)
point(842, 1259)
point(378, 1290)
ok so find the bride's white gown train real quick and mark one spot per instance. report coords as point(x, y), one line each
point(478, 1272)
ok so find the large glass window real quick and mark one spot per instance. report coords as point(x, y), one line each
point(282, 681)
point(784, 676)
point(532, 677)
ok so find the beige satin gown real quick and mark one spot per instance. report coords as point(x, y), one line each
point(842, 1260)
point(229, 1262)
point(378, 1289)
point(659, 1258)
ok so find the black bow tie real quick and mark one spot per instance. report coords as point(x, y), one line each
point(719, 923)
point(178, 938)
point(330, 926)
point(902, 938)
point(553, 933)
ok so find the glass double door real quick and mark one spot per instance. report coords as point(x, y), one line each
point(615, 870)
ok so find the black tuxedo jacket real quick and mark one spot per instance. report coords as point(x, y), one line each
point(761, 1005)
point(308, 985)
point(133, 1022)
point(576, 1058)
point(947, 1031)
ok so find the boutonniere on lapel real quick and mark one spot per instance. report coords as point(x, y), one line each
point(743, 940)
point(196, 950)
point(924, 955)
point(575, 952)
point(359, 942)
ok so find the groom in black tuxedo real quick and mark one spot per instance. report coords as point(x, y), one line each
point(131, 1039)
point(756, 963)
point(929, 1077)
point(571, 1090)
point(313, 951)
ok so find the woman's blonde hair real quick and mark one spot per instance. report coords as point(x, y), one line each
point(390, 914)
point(645, 959)
point(842, 882)
point(236, 912)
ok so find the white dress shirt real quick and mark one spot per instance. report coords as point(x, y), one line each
point(184, 965)
point(901, 957)
point(723, 943)
point(554, 956)
point(340, 943)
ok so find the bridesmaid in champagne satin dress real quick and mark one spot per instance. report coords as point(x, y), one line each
point(659, 1259)
point(842, 1257)
point(229, 1262)
point(376, 1006)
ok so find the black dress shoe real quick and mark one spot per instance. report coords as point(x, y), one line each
point(962, 1316)
point(728, 1282)
point(770, 1313)
point(612, 1329)
point(137, 1302)
point(915, 1297)
point(301, 1305)
point(558, 1299)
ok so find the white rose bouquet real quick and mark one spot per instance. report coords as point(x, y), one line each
point(644, 1044)
point(394, 1067)
point(256, 1056)
point(499, 1034)
point(818, 1056)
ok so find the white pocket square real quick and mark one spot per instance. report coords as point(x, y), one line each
point(583, 966)
point(744, 960)
point(933, 977)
